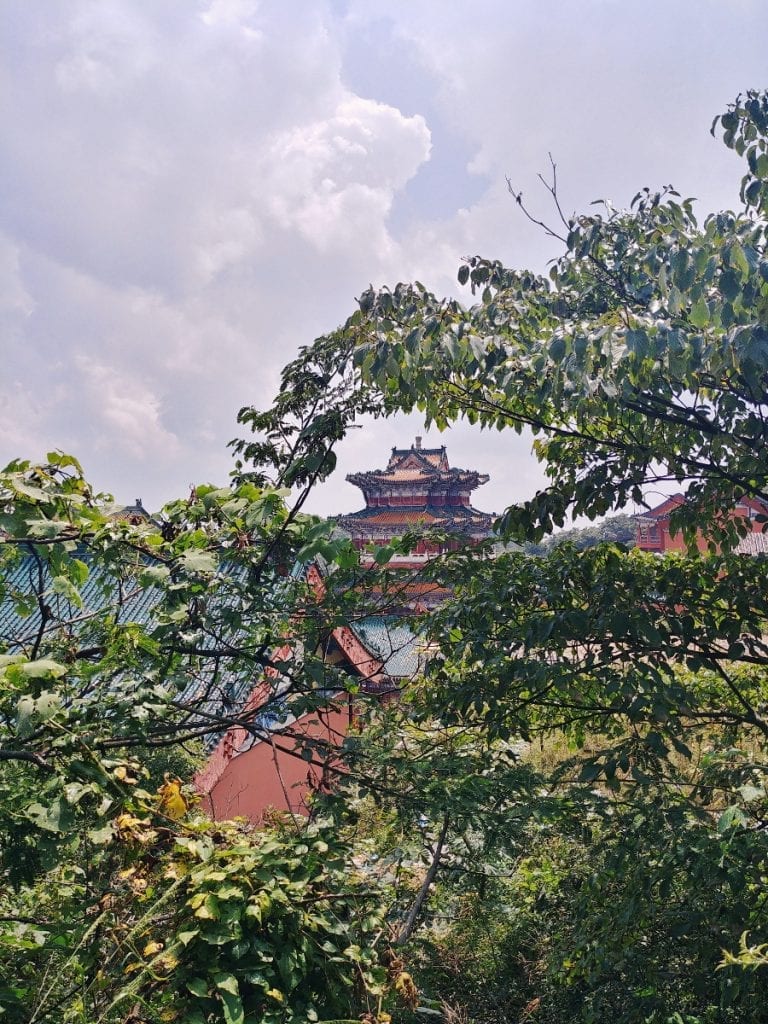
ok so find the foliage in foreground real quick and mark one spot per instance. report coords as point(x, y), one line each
point(128, 644)
point(588, 900)
point(194, 922)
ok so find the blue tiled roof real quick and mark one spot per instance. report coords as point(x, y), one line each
point(19, 625)
point(388, 639)
point(392, 641)
point(100, 593)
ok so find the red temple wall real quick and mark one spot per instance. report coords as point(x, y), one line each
point(247, 782)
point(274, 776)
point(656, 534)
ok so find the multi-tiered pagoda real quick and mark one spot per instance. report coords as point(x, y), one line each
point(418, 491)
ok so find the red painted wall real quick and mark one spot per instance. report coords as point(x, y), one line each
point(662, 540)
point(272, 775)
point(243, 780)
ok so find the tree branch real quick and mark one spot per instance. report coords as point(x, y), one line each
point(410, 922)
point(26, 755)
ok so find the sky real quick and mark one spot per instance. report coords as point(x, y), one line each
point(192, 189)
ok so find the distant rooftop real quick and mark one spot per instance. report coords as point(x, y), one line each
point(418, 489)
point(409, 467)
point(135, 513)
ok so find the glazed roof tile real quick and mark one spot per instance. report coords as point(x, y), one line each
point(100, 594)
point(408, 465)
point(435, 457)
point(407, 475)
point(753, 544)
point(434, 516)
point(393, 642)
point(410, 515)
point(19, 627)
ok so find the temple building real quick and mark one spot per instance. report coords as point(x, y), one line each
point(418, 491)
point(654, 532)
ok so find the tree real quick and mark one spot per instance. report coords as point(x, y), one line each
point(622, 529)
point(125, 646)
point(642, 359)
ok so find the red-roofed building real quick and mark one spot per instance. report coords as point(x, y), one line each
point(418, 490)
point(653, 527)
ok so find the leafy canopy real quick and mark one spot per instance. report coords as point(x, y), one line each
point(639, 362)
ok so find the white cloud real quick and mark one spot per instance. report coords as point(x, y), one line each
point(169, 184)
point(127, 415)
point(237, 13)
point(191, 190)
point(334, 179)
point(20, 416)
point(107, 48)
point(16, 304)
point(223, 238)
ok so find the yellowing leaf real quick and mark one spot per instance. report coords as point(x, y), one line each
point(169, 962)
point(151, 948)
point(406, 989)
point(173, 803)
point(126, 822)
point(130, 827)
point(209, 911)
point(175, 870)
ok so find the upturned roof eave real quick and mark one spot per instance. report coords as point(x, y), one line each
point(431, 476)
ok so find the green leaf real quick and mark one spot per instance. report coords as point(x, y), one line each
point(590, 771)
point(41, 668)
point(25, 709)
point(79, 571)
point(730, 284)
point(739, 259)
point(749, 793)
point(47, 704)
point(101, 836)
point(200, 561)
point(699, 315)
point(155, 574)
point(731, 818)
point(229, 992)
point(198, 987)
point(209, 910)
point(557, 350)
point(65, 588)
point(57, 817)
